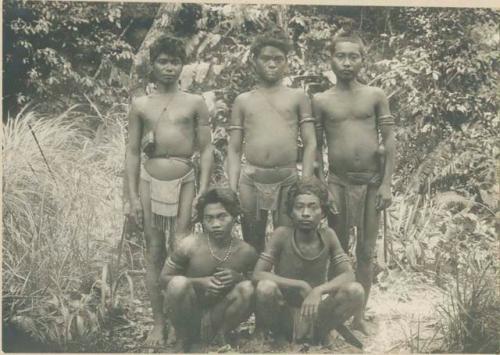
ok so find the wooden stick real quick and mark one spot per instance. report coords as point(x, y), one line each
point(41, 152)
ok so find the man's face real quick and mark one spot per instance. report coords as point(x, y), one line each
point(307, 212)
point(217, 221)
point(167, 68)
point(270, 64)
point(347, 60)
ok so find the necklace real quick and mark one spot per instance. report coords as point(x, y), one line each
point(228, 252)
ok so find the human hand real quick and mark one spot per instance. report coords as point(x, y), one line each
point(383, 197)
point(212, 285)
point(228, 277)
point(311, 303)
point(304, 290)
point(135, 212)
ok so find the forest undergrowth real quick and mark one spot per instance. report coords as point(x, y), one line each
point(62, 225)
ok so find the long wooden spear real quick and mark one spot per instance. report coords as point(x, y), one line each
point(41, 152)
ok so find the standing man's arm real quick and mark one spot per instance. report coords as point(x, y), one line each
point(132, 162)
point(235, 144)
point(306, 122)
point(318, 125)
point(204, 139)
point(386, 125)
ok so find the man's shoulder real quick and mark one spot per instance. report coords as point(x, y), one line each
point(190, 242)
point(374, 90)
point(282, 233)
point(246, 249)
point(140, 101)
point(190, 98)
point(329, 235)
point(244, 97)
point(324, 96)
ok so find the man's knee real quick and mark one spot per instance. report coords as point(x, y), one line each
point(266, 290)
point(178, 287)
point(353, 291)
point(245, 290)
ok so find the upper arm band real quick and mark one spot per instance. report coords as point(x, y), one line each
point(233, 127)
point(386, 120)
point(306, 119)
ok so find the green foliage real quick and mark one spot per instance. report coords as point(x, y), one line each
point(55, 54)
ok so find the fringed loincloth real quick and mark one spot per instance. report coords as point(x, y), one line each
point(165, 196)
point(270, 197)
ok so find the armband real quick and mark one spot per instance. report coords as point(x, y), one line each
point(234, 127)
point(306, 119)
point(338, 259)
point(386, 120)
point(266, 257)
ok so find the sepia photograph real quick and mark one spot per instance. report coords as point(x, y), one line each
point(234, 177)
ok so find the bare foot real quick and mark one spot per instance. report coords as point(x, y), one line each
point(155, 338)
point(361, 325)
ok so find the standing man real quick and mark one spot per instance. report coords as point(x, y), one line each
point(264, 126)
point(351, 115)
point(165, 129)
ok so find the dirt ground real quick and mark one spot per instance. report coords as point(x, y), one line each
point(402, 315)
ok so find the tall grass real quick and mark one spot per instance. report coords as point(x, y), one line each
point(61, 219)
point(471, 318)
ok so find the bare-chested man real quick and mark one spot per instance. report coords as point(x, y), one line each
point(264, 125)
point(302, 300)
point(165, 128)
point(205, 279)
point(351, 115)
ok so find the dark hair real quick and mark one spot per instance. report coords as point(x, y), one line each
point(274, 38)
point(347, 35)
point(222, 195)
point(308, 186)
point(169, 45)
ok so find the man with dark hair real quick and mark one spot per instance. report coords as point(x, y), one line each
point(312, 288)
point(352, 115)
point(205, 278)
point(265, 124)
point(165, 129)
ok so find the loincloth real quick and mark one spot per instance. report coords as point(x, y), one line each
point(352, 191)
point(270, 196)
point(165, 195)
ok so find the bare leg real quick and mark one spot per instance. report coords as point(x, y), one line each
point(155, 258)
point(234, 308)
point(338, 308)
point(270, 311)
point(183, 222)
point(183, 310)
point(338, 221)
point(282, 218)
point(253, 224)
point(365, 252)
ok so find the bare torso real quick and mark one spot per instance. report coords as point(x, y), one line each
point(349, 121)
point(271, 127)
point(174, 131)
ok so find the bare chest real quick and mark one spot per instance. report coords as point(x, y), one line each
point(178, 112)
point(338, 110)
point(280, 107)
